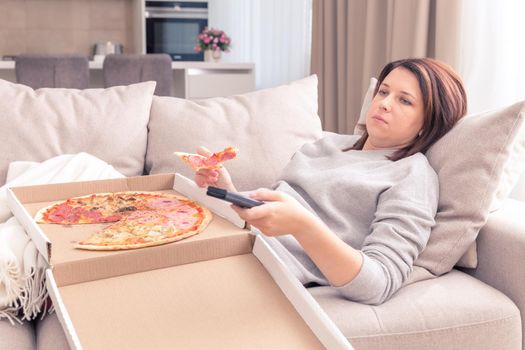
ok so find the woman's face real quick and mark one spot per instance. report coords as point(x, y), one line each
point(395, 116)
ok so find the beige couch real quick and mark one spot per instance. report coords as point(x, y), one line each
point(466, 308)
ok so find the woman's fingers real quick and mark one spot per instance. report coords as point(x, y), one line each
point(265, 194)
point(203, 151)
point(206, 177)
point(207, 173)
point(201, 181)
point(248, 214)
point(260, 211)
point(255, 213)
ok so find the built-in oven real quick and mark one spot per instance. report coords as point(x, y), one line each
point(172, 27)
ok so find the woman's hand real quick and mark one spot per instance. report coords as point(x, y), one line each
point(280, 215)
point(213, 177)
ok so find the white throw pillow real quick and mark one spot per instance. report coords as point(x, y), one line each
point(360, 126)
point(110, 124)
point(267, 127)
point(478, 162)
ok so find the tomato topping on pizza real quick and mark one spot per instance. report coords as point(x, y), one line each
point(215, 161)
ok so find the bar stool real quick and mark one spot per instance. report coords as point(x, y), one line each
point(125, 69)
point(54, 71)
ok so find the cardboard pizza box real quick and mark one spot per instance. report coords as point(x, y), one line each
point(222, 288)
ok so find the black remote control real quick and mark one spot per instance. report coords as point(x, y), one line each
point(232, 197)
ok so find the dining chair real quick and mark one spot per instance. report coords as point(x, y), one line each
point(53, 71)
point(125, 69)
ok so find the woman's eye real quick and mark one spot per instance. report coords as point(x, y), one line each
point(406, 102)
point(382, 92)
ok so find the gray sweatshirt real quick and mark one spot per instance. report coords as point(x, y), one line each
point(383, 208)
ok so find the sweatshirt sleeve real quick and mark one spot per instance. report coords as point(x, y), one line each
point(398, 234)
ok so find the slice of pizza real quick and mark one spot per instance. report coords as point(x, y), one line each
point(150, 228)
point(215, 161)
point(94, 208)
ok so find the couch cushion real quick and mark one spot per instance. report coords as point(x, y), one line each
point(267, 127)
point(49, 334)
point(477, 162)
point(16, 336)
point(454, 311)
point(110, 124)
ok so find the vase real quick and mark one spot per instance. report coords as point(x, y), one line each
point(212, 55)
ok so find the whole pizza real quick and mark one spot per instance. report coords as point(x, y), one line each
point(136, 219)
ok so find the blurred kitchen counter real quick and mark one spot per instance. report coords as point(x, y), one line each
point(191, 79)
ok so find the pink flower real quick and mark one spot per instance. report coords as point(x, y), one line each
point(213, 39)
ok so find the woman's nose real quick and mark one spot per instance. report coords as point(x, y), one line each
point(385, 103)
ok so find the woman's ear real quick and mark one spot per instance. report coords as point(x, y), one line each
point(420, 132)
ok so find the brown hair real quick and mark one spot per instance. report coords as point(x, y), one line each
point(444, 102)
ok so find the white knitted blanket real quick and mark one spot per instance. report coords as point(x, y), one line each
point(23, 295)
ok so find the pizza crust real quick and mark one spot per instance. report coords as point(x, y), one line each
point(137, 245)
point(39, 216)
point(185, 157)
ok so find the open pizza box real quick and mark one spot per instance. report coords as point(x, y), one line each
point(222, 288)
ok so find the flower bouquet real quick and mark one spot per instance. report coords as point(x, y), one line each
point(212, 42)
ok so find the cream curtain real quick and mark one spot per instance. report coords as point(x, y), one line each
point(353, 39)
point(273, 34)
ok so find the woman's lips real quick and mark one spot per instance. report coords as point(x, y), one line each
point(379, 118)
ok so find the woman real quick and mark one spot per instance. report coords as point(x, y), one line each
point(355, 212)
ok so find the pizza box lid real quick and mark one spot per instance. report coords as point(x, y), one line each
point(56, 242)
point(246, 300)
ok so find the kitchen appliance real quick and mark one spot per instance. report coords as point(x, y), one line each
point(101, 49)
point(172, 27)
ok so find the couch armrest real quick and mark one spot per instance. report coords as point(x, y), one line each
point(501, 247)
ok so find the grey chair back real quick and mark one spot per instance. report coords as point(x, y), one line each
point(125, 69)
point(54, 71)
